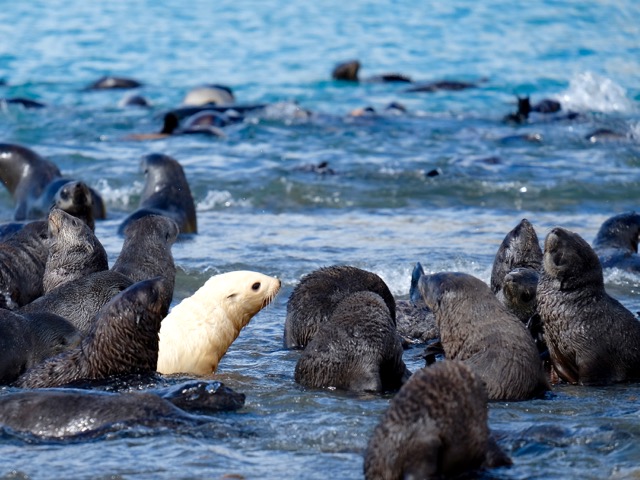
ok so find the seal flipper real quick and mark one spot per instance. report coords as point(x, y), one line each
point(414, 291)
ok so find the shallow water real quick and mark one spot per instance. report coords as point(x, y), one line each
point(258, 208)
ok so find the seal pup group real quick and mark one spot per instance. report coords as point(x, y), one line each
point(477, 329)
point(74, 251)
point(356, 348)
point(436, 426)
point(123, 339)
point(23, 256)
point(592, 338)
point(27, 340)
point(312, 301)
point(616, 242)
point(199, 330)
point(71, 412)
point(33, 182)
point(166, 192)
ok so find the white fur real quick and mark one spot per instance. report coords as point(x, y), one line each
point(199, 330)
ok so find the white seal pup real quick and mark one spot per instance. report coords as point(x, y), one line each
point(199, 330)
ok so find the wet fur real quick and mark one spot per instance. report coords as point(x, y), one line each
point(593, 339)
point(356, 349)
point(436, 426)
point(616, 242)
point(477, 329)
point(316, 295)
point(123, 340)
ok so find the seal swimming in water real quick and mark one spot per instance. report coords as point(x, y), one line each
point(166, 192)
point(616, 242)
point(146, 251)
point(477, 329)
point(356, 348)
point(593, 339)
point(34, 181)
point(199, 330)
point(123, 339)
point(349, 71)
point(74, 251)
point(23, 256)
point(110, 83)
point(209, 94)
point(27, 340)
point(71, 412)
point(436, 426)
point(312, 301)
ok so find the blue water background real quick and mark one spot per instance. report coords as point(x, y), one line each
point(258, 208)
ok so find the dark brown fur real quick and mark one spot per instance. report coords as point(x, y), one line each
point(357, 348)
point(435, 427)
point(23, 256)
point(123, 340)
point(312, 301)
point(616, 243)
point(74, 251)
point(477, 329)
point(593, 339)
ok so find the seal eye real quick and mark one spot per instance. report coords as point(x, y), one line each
point(255, 287)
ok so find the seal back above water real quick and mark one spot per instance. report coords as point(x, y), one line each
point(477, 329)
point(356, 348)
point(436, 426)
point(316, 295)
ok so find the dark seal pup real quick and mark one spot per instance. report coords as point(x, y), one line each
point(166, 192)
point(435, 427)
point(415, 322)
point(356, 349)
point(477, 329)
point(23, 256)
point(74, 251)
point(123, 340)
point(27, 340)
point(79, 301)
point(71, 412)
point(349, 71)
point(34, 181)
point(616, 242)
point(146, 251)
point(76, 199)
point(312, 301)
point(515, 271)
point(592, 338)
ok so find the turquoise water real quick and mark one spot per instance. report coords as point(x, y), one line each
point(259, 208)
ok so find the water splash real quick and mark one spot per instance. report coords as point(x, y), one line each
point(216, 198)
point(591, 92)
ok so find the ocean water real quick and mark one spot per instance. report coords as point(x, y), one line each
point(260, 207)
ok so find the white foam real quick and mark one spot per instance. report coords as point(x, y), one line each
point(216, 198)
point(591, 92)
point(119, 196)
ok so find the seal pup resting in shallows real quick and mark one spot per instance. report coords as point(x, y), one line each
point(70, 412)
point(199, 330)
point(436, 426)
point(166, 192)
point(33, 182)
point(593, 339)
point(312, 301)
point(23, 256)
point(478, 330)
point(27, 340)
point(616, 242)
point(74, 251)
point(123, 340)
point(356, 349)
